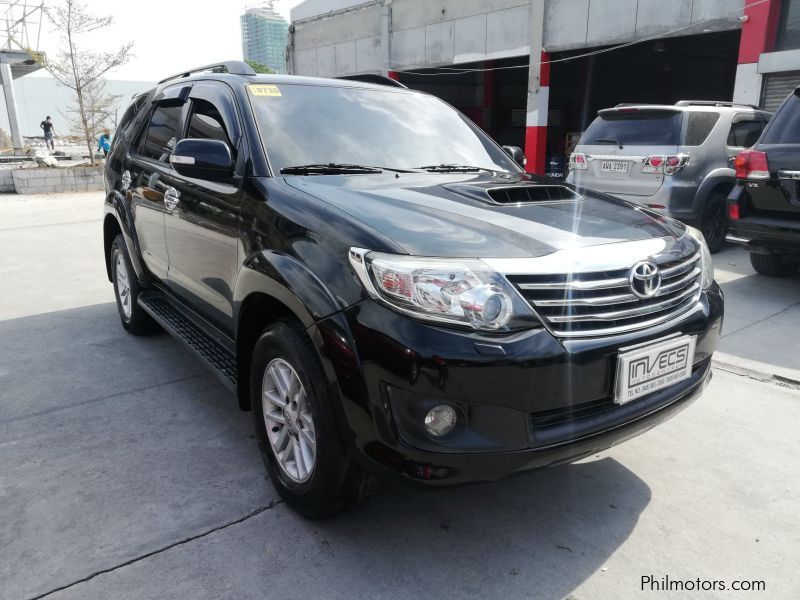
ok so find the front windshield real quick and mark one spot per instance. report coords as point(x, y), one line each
point(392, 128)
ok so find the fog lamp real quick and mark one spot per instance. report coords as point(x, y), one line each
point(440, 420)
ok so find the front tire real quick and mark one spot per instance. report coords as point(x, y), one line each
point(127, 289)
point(773, 265)
point(296, 429)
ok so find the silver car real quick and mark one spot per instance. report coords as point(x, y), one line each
point(677, 160)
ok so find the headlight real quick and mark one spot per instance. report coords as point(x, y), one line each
point(707, 265)
point(458, 291)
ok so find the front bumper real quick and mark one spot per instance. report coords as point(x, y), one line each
point(538, 401)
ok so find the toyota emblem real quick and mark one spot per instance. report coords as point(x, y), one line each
point(645, 279)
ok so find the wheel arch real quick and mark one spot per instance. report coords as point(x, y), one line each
point(269, 287)
point(119, 220)
point(722, 180)
point(111, 229)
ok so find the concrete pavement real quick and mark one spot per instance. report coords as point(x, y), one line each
point(126, 471)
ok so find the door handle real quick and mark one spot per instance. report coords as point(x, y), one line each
point(171, 198)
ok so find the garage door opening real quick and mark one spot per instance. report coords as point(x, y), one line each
point(491, 93)
point(697, 67)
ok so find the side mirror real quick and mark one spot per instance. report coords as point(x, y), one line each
point(202, 159)
point(517, 154)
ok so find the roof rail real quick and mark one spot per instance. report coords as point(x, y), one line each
point(374, 78)
point(714, 103)
point(234, 67)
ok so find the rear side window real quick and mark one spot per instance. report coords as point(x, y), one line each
point(130, 114)
point(745, 133)
point(699, 126)
point(161, 132)
point(645, 128)
point(785, 127)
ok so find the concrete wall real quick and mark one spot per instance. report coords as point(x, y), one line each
point(430, 33)
point(345, 43)
point(423, 33)
point(574, 24)
point(52, 180)
point(7, 181)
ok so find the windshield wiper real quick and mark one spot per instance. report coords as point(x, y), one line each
point(457, 169)
point(329, 169)
point(607, 141)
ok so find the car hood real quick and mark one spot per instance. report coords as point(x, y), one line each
point(452, 215)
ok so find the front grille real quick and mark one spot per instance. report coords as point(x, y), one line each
point(602, 303)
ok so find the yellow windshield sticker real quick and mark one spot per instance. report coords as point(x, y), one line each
point(264, 90)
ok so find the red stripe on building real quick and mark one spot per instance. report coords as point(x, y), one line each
point(759, 30)
point(536, 133)
point(535, 149)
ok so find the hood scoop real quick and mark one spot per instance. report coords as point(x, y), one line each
point(511, 195)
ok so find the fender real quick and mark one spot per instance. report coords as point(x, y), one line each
point(291, 283)
point(117, 205)
point(287, 280)
point(721, 176)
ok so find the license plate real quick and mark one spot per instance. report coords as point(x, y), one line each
point(651, 368)
point(614, 166)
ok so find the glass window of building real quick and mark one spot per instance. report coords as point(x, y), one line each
point(789, 28)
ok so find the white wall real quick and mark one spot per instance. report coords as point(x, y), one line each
point(38, 97)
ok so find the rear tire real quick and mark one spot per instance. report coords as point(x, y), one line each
point(715, 222)
point(288, 384)
point(774, 265)
point(127, 289)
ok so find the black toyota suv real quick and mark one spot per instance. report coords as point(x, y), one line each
point(764, 207)
point(388, 291)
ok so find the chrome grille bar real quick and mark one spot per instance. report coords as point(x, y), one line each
point(577, 285)
point(603, 303)
point(631, 312)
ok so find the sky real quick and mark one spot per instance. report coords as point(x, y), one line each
point(169, 35)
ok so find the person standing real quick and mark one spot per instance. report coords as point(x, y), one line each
point(49, 132)
point(104, 142)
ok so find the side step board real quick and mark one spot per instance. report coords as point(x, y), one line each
point(214, 354)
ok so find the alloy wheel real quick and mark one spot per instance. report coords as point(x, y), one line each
point(123, 286)
point(289, 422)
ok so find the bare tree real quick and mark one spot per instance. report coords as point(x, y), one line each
point(99, 110)
point(77, 68)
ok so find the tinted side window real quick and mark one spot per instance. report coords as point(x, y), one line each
point(785, 127)
point(207, 123)
point(161, 132)
point(699, 127)
point(745, 134)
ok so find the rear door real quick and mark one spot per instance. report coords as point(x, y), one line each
point(781, 143)
point(149, 170)
point(617, 143)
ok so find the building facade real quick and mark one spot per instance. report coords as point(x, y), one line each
point(264, 36)
point(533, 73)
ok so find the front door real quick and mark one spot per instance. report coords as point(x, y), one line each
point(202, 229)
